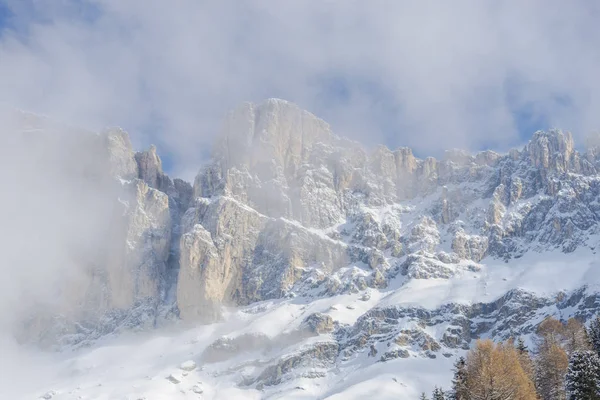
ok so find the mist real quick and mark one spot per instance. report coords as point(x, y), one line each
point(431, 76)
point(468, 74)
point(56, 212)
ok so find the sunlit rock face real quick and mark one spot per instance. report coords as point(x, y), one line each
point(285, 202)
point(285, 208)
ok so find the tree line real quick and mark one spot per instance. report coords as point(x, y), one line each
point(563, 365)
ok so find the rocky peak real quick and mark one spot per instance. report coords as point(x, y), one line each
point(592, 147)
point(120, 153)
point(287, 208)
point(270, 135)
point(553, 150)
point(487, 157)
point(458, 156)
point(151, 172)
point(150, 167)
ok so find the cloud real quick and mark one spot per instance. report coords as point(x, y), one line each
point(430, 75)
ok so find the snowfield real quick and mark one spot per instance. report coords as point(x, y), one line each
point(168, 363)
point(360, 274)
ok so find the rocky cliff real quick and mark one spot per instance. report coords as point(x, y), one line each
point(286, 201)
point(286, 209)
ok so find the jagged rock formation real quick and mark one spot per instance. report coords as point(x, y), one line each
point(118, 246)
point(279, 170)
point(287, 209)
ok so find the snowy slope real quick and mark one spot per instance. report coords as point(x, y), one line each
point(299, 265)
point(136, 366)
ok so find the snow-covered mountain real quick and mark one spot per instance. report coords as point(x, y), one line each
point(300, 265)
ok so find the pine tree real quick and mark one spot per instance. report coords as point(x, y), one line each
point(583, 375)
point(460, 390)
point(438, 394)
point(423, 396)
point(521, 347)
point(525, 359)
point(594, 334)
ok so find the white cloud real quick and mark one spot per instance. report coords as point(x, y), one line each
point(430, 75)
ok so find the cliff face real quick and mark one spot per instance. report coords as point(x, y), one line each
point(95, 217)
point(285, 200)
point(286, 209)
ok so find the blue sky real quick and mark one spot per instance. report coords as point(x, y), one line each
point(5, 16)
point(472, 74)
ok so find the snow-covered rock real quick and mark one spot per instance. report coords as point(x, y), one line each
point(188, 365)
point(340, 259)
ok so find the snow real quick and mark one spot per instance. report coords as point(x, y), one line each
point(159, 365)
point(544, 274)
point(396, 379)
point(188, 365)
point(167, 364)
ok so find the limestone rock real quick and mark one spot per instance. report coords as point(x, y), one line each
point(319, 323)
point(120, 154)
point(286, 208)
point(317, 356)
point(471, 247)
point(226, 348)
point(150, 167)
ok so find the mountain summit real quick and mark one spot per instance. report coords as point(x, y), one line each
point(425, 255)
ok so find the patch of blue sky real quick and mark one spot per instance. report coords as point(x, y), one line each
point(19, 16)
point(6, 17)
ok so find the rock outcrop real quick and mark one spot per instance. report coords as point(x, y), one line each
point(287, 208)
point(113, 241)
point(285, 201)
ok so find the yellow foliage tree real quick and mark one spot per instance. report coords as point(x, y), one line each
point(494, 372)
point(552, 361)
point(576, 337)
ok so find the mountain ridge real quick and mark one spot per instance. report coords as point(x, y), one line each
point(430, 254)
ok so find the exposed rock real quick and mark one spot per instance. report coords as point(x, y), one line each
point(174, 379)
point(390, 355)
point(469, 247)
point(286, 208)
point(150, 168)
point(226, 348)
point(552, 151)
point(319, 355)
point(418, 338)
point(120, 154)
point(147, 244)
point(118, 234)
point(372, 351)
point(319, 323)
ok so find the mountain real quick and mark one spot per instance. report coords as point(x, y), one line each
point(311, 267)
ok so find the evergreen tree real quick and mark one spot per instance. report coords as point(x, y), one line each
point(582, 378)
point(525, 359)
point(594, 334)
point(521, 347)
point(460, 390)
point(438, 394)
point(423, 396)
